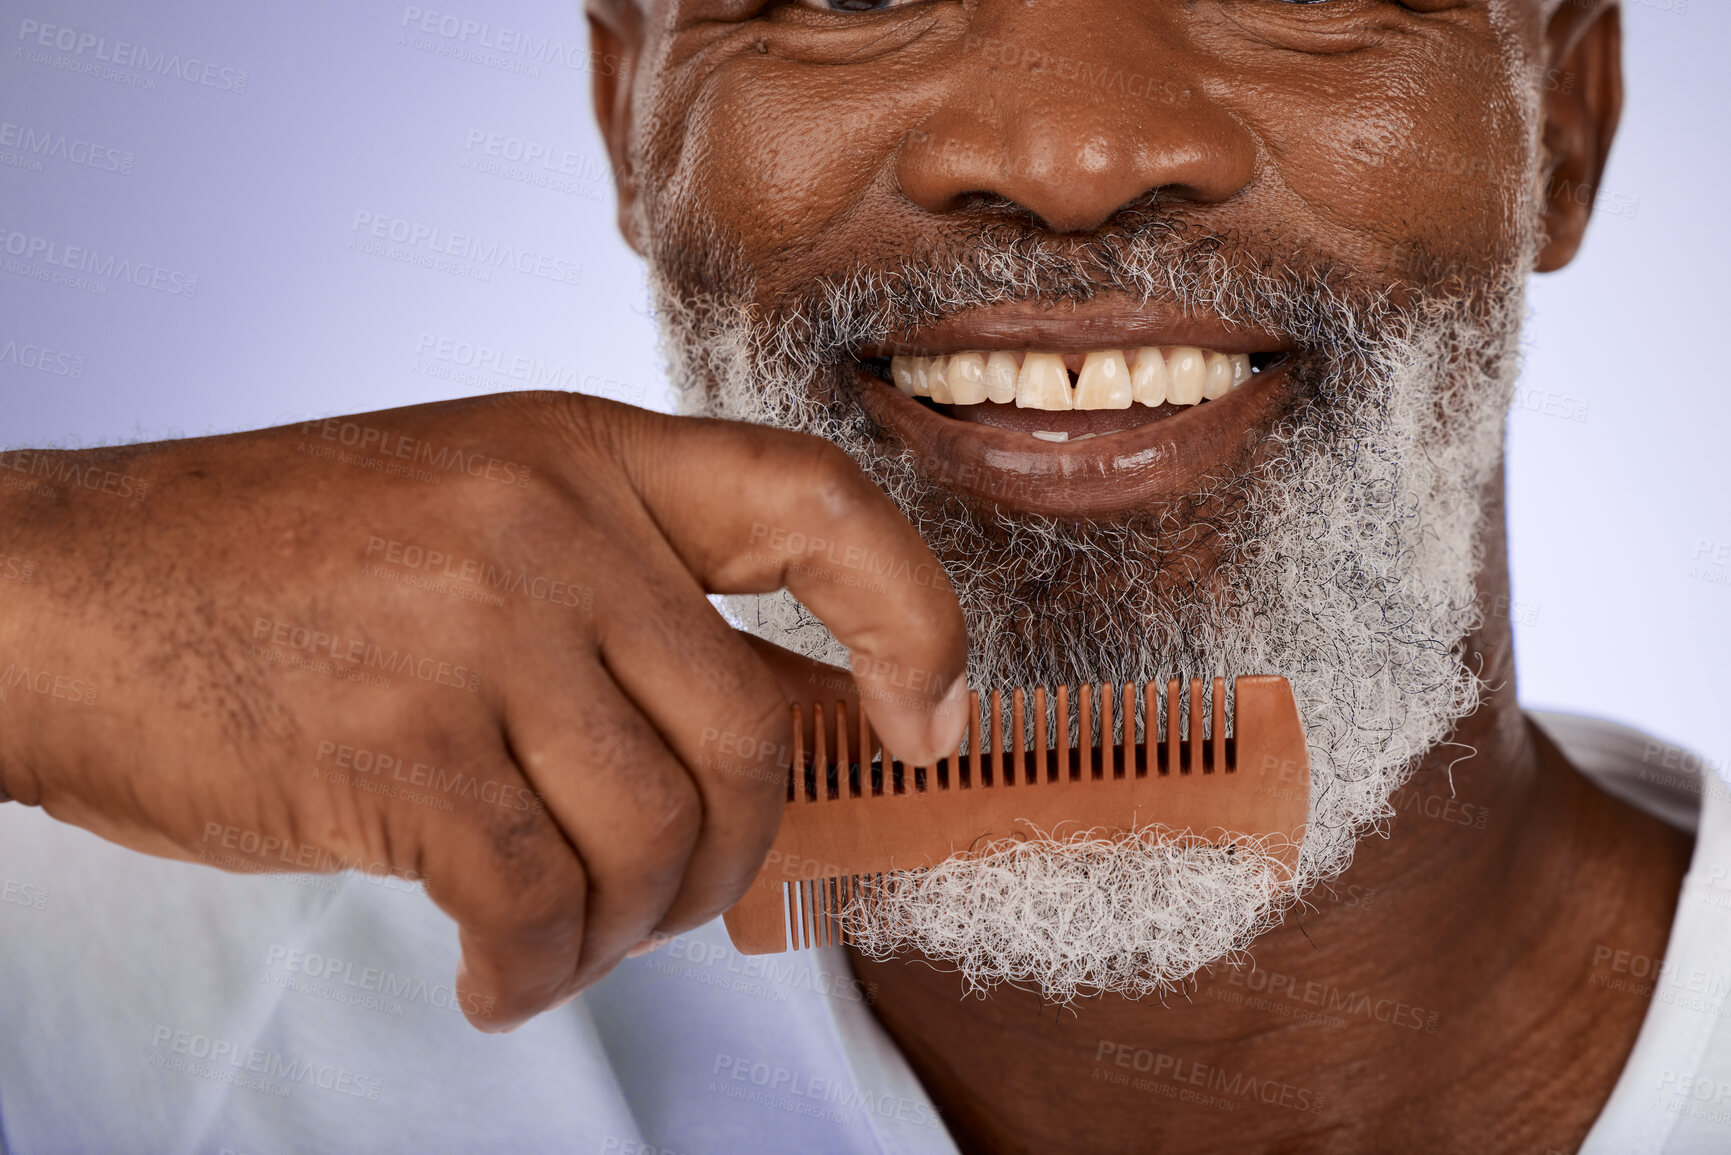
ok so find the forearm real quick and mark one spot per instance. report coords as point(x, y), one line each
point(53, 505)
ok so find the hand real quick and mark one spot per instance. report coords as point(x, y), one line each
point(466, 642)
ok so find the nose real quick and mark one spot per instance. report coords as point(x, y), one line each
point(1074, 139)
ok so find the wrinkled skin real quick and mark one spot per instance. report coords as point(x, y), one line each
point(784, 143)
point(549, 713)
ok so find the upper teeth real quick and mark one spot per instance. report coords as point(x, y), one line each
point(1110, 378)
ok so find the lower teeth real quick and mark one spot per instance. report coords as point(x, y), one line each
point(1049, 435)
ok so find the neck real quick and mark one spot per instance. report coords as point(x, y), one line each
point(1454, 955)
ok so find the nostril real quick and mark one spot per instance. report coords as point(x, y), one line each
point(1068, 161)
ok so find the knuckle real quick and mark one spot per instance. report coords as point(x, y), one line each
point(675, 620)
point(548, 915)
point(835, 476)
point(660, 800)
point(541, 907)
point(723, 881)
point(732, 877)
point(669, 811)
point(824, 468)
point(725, 889)
point(580, 426)
point(597, 422)
point(748, 755)
point(740, 769)
point(539, 882)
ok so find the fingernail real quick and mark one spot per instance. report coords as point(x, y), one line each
point(946, 733)
point(644, 947)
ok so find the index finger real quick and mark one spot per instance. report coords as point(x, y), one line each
point(750, 509)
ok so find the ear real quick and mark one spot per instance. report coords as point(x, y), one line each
point(1583, 99)
point(615, 46)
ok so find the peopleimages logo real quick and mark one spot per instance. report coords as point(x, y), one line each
point(553, 158)
point(331, 974)
point(88, 262)
point(525, 47)
point(86, 45)
point(366, 654)
point(799, 1093)
point(468, 363)
point(221, 1060)
point(45, 144)
point(40, 358)
point(430, 242)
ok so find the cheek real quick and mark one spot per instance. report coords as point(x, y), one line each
point(1436, 173)
point(779, 155)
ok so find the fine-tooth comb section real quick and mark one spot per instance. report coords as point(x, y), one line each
point(1037, 764)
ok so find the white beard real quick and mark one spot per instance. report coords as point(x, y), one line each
point(1345, 561)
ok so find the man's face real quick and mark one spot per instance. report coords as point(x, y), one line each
point(1342, 198)
point(802, 142)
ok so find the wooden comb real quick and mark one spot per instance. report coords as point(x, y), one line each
point(854, 814)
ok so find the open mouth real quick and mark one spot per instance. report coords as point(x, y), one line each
point(1091, 411)
point(1063, 397)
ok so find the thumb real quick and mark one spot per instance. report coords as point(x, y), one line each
point(750, 510)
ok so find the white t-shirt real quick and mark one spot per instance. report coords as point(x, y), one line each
point(163, 1007)
point(1674, 1095)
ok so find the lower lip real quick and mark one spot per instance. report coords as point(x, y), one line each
point(1102, 476)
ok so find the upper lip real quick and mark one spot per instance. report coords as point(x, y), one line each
point(1066, 328)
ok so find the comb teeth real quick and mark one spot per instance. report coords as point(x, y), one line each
point(1112, 762)
point(1089, 741)
point(814, 907)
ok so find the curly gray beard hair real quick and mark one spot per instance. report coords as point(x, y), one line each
point(1344, 559)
